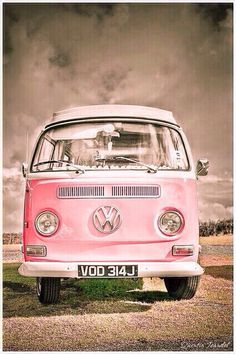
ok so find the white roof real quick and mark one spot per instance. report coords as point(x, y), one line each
point(113, 111)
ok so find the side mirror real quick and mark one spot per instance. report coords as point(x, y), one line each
point(202, 167)
point(24, 169)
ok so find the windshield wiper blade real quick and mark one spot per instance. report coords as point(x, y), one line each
point(78, 169)
point(100, 159)
point(150, 169)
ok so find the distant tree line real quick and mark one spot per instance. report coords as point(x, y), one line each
point(209, 228)
point(12, 238)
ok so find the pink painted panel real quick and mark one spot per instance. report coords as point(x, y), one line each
point(138, 237)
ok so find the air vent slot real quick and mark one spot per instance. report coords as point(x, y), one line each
point(81, 192)
point(136, 191)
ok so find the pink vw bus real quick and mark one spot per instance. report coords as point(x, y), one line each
point(111, 192)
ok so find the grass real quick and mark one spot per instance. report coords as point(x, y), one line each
point(166, 325)
point(110, 315)
point(84, 296)
point(77, 296)
point(225, 272)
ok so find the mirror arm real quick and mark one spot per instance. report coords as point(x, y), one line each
point(24, 169)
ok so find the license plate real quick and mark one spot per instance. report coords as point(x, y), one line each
point(108, 271)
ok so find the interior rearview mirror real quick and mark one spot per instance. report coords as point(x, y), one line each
point(202, 167)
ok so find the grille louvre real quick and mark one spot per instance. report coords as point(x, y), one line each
point(115, 191)
point(135, 191)
point(81, 192)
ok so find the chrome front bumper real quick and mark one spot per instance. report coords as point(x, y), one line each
point(145, 270)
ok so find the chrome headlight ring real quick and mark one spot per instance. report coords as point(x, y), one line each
point(170, 222)
point(47, 223)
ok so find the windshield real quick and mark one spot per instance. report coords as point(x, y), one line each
point(110, 145)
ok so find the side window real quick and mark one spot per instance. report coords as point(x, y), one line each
point(179, 154)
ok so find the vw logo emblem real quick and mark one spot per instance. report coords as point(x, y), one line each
point(106, 219)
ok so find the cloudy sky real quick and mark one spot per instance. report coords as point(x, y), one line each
point(172, 56)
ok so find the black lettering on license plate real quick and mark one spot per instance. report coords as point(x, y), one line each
point(108, 271)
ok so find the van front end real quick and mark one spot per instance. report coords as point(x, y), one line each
point(111, 198)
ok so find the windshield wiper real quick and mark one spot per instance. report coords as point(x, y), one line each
point(105, 159)
point(78, 169)
point(150, 169)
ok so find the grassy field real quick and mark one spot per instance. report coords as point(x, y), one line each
point(77, 296)
point(106, 315)
point(87, 295)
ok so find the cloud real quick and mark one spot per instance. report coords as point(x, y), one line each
point(215, 196)
point(215, 179)
point(91, 10)
point(11, 173)
point(111, 82)
point(13, 199)
point(61, 59)
point(216, 13)
point(213, 189)
point(214, 212)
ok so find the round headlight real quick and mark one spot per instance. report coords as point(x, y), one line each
point(170, 223)
point(47, 223)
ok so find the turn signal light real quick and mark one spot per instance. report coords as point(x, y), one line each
point(186, 250)
point(36, 251)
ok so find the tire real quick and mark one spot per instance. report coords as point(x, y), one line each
point(48, 290)
point(182, 288)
